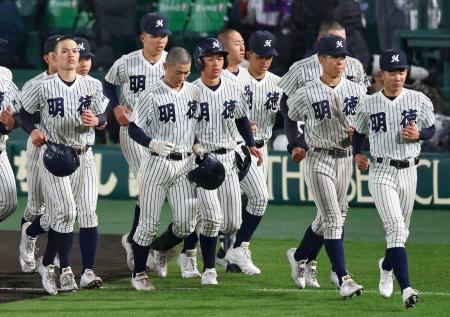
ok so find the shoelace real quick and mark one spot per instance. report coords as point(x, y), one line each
point(161, 260)
point(247, 253)
point(51, 277)
point(190, 264)
point(210, 274)
point(300, 271)
point(67, 279)
point(31, 246)
point(313, 274)
point(144, 280)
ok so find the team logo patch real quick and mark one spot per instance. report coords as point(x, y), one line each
point(268, 43)
point(272, 100)
point(167, 113)
point(216, 44)
point(56, 106)
point(159, 23)
point(378, 121)
point(248, 93)
point(85, 104)
point(137, 83)
point(339, 44)
point(228, 112)
point(81, 47)
point(198, 111)
point(322, 110)
point(350, 105)
point(408, 116)
point(395, 58)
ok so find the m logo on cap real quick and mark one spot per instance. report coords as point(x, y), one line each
point(159, 23)
point(395, 58)
point(339, 44)
point(268, 43)
point(216, 44)
point(81, 47)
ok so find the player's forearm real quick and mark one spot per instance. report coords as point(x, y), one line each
point(109, 90)
point(27, 121)
point(138, 135)
point(427, 133)
point(243, 126)
point(101, 119)
point(357, 142)
point(17, 121)
point(291, 128)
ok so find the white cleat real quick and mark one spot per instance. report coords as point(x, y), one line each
point(160, 263)
point(242, 257)
point(410, 297)
point(349, 287)
point(297, 269)
point(27, 249)
point(209, 277)
point(141, 282)
point(48, 275)
point(188, 264)
point(311, 274)
point(90, 280)
point(334, 279)
point(129, 250)
point(67, 280)
point(386, 285)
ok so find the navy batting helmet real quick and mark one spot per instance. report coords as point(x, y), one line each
point(209, 174)
point(243, 165)
point(206, 47)
point(60, 160)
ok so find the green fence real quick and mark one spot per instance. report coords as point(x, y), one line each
point(286, 181)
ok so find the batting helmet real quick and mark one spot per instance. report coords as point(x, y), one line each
point(243, 165)
point(209, 174)
point(206, 47)
point(60, 160)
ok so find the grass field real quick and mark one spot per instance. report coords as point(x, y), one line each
point(272, 293)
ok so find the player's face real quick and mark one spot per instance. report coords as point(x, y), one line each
point(175, 75)
point(333, 66)
point(84, 65)
point(234, 44)
point(213, 65)
point(258, 64)
point(154, 45)
point(51, 62)
point(394, 80)
point(67, 55)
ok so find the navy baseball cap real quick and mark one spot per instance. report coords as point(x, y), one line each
point(155, 24)
point(393, 59)
point(84, 47)
point(50, 43)
point(3, 42)
point(332, 45)
point(263, 43)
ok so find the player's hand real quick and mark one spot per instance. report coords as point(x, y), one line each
point(253, 127)
point(298, 154)
point(362, 162)
point(122, 115)
point(256, 153)
point(89, 119)
point(38, 138)
point(199, 150)
point(6, 117)
point(102, 127)
point(351, 130)
point(162, 148)
point(410, 132)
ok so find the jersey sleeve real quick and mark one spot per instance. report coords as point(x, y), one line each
point(142, 112)
point(290, 81)
point(241, 106)
point(115, 73)
point(99, 100)
point(427, 118)
point(13, 97)
point(362, 117)
point(361, 77)
point(30, 98)
point(297, 105)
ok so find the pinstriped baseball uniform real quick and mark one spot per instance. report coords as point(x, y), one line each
point(166, 114)
point(9, 96)
point(327, 113)
point(35, 202)
point(393, 189)
point(134, 74)
point(61, 107)
point(309, 68)
point(216, 130)
point(5, 73)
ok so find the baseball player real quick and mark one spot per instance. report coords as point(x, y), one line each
point(5, 73)
point(299, 74)
point(134, 73)
point(164, 122)
point(395, 120)
point(9, 104)
point(327, 105)
point(263, 107)
point(70, 107)
point(223, 114)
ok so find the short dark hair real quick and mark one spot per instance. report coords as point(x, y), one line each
point(178, 56)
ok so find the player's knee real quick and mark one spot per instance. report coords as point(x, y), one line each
point(88, 221)
point(257, 205)
point(145, 234)
point(210, 228)
point(181, 230)
point(232, 225)
point(396, 235)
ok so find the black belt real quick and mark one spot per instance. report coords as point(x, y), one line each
point(81, 150)
point(398, 163)
point(338, 153)
point(220, 151)
point(259, 143)
point(173, 156)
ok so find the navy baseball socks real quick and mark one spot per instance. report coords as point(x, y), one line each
point(335, 251)
point(208, 247)
point(140, 257)
point(248, 227)
point(64, 247)
point(166, 241)
point(137, 214)
point(397, 259)
point(52, 248)
point(190, 242)
point(309, 247)
point(88, 239)
point(35, 228)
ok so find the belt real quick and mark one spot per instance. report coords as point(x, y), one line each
point(175, 156)
point(81, 150)
point(399, 164)
point(259, 143)
point(337, 153)
point(220, 151)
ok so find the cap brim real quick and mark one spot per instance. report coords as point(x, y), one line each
point(87, 55)
point(396, 67)
point(272, 52)
point(159, 32)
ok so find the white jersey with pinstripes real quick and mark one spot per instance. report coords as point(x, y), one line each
point(384, 119)
point(327, 111)
point(309, 69)
point(133, 73)
point(61, 107)
point(5, 73)
point(9, 97)
point(218, 111)
point(166, 114)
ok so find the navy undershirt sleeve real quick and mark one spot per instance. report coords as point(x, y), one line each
point(243, 126)
point(109, 90)
point(138, 135)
